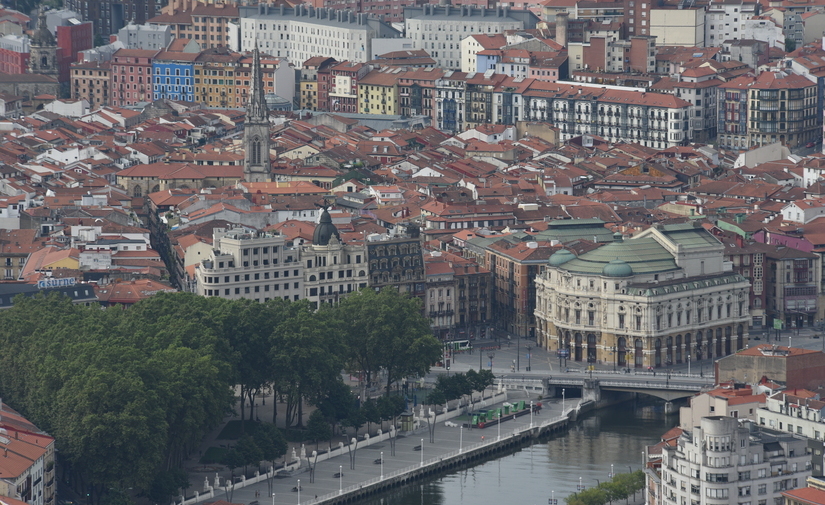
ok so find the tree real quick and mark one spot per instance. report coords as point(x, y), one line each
point(272, 444)
point(250, 453)
point(337, 403)
point(386, 331)
point(391, 407)
point(371, 413)
point(318, 428)
point(167, 484)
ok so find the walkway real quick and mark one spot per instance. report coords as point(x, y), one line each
point(447, 440)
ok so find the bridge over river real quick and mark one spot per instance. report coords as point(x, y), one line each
point(592, 386)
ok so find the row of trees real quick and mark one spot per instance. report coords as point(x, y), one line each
point(618, 488)
point(129, 394)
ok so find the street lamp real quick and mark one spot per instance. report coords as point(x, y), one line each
point(422, 452)
point(299, 491)
point(460, 438)
point(382, 465)
point(491, 355)
point(562, 402)
point(273, 498)
point(531, 413)
point(688, 358)
point(518, 353)
point(615, 358)
point(529, 348)
point(340, 479)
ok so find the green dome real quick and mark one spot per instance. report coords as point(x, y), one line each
point(617, 268)
point(560, 257)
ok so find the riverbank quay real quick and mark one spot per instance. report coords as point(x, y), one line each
point(386, 461)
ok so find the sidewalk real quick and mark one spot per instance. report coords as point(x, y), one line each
point(367, 462)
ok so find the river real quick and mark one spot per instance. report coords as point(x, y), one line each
point(616, 435)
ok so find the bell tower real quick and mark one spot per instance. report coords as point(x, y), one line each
point(256, 127)
point(43, 50)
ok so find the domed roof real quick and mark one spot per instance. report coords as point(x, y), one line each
point(42, 36)
point(560, 257)
point(617, 268)
point(325, 230)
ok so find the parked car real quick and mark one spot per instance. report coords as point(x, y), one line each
point(810, 144)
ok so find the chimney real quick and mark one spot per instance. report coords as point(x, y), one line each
point(561, 28)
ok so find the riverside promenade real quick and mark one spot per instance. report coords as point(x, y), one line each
point(415, 458)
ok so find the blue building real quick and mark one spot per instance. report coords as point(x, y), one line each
point(173, 76)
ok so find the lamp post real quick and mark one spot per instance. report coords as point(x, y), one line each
point(273, 498)
point(299, 491)
point(531, 413)
point(382, 465)
point(480, 354)
point(562, 402)
point(499, 427)
point(615, 358)
point(518, 353)
point(529, 363)
point(611, 471)
point(340, 479)
point(491, 355)
point(460, 438)
point(422, 452)
point(688, 358)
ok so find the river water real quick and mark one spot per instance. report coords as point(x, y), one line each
point(616, 435)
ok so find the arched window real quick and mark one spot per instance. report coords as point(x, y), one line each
point(137, 191)
point(256, 151)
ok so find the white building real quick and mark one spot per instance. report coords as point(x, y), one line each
point(245, 264)
point(765, 29)
point(303, 32)
point(725, 20)
point(440, 30)
point(799, 411)
point(332, 269)
point(652, 300)
point(722, 461)
point(145, 36)
point(678, 27)
point(803, 211)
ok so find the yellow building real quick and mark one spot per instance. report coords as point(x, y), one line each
point(51, 258)
point(378, 92)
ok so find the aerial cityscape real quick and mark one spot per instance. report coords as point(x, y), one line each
point(412, 252)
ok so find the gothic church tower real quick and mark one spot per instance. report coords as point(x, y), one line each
point(256, 127)
point(43, 50)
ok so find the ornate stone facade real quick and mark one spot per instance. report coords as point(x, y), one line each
point(662, 297)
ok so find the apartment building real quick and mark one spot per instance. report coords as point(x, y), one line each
point(310, 70)
point(698, 86)
point(131, 76)
point(148, 36)
point(90, 81)
point(783, 108)
point(342, 92)
point(458, 300)
point(794, 280)
point(722, 461)
point(222, 77)
point(732, 112)
point(28, 462)
point(302, 32)
point(725, 20)
point(648, 301)
point(389, 11)
point(252, 265)
point(109, 16)
point(654, 120)
point(440, 30)
point(207, 23)
point(173, 74)
point(396, 259)
point(332, 268)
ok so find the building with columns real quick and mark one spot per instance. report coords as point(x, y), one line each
point(664, 296)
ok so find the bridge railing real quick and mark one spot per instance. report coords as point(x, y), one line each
point(649, 385)
point(431, 461)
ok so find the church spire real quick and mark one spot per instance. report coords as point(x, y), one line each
point(256, 109)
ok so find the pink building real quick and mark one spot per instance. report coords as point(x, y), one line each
point(131, 78)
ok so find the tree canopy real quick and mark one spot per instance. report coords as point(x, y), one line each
point(129, 394)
